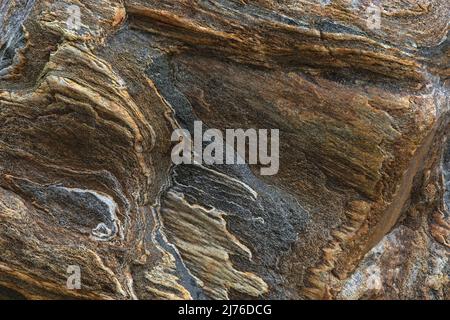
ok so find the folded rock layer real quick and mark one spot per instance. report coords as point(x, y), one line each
point(358, 208)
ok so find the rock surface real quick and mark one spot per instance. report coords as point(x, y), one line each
point(359, 207)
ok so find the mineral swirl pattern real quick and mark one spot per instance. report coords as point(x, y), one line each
point(358, 210)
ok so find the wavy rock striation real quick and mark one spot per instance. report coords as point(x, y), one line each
point(358, 210)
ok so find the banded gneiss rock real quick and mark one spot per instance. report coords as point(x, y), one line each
point(358, 209)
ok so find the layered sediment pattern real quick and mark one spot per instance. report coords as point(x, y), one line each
point(358, 209)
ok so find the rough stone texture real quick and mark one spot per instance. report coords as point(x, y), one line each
point(359, 209)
